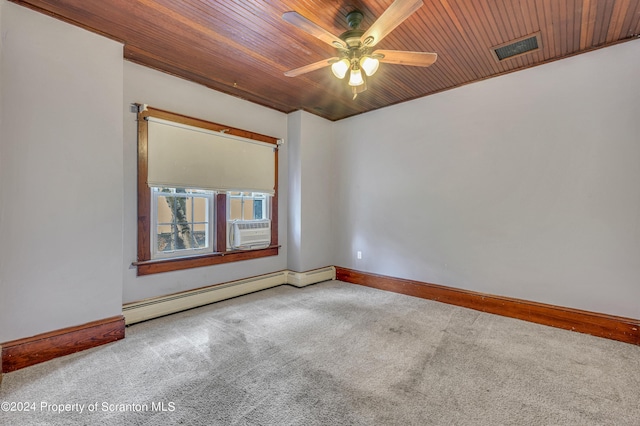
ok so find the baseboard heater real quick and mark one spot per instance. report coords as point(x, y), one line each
point(164, 305)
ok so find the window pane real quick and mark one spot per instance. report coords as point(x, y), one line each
point(187, 235)
point(178, 241)
point(200, 235)
point(165, 238)
point(164, 212)
point(248, 209)
point(235, 208)
point(200, 209)
point(180, 209)
point(258, 212)
point(189, 209)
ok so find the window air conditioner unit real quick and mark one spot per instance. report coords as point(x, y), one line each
point(249, 234)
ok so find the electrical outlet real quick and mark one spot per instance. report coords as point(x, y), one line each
point(359, 254)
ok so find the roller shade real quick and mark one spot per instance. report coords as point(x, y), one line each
point(182, 156)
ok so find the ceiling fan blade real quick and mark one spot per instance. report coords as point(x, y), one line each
point(391, 18)
point(311, 67)
point(401, 57)
point(315, 30)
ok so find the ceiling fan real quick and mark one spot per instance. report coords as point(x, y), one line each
point(355, 46)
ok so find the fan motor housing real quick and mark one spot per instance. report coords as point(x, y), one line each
point(352, 38)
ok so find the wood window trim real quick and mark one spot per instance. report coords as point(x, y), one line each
point(145, 265)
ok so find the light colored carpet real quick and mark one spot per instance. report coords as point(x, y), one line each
point(336, 354)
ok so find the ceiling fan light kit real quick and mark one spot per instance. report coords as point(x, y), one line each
point(355, 46)
point(356, 78)
point(340, 68)
point(369, 64)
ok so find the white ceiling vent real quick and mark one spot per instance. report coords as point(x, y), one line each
point(517, 47)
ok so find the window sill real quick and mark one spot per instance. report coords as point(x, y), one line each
point(156, 266)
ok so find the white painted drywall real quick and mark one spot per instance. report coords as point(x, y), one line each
point(294, 225)
point(60, 175)
point(310, 140)
point(525, 185)
point(159, 90)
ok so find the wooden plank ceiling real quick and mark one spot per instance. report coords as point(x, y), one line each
point(243, 48)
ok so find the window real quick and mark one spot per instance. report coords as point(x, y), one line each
point(183, 222)
point(247, 205)
point(195, 180)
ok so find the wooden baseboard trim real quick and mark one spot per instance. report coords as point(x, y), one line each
point(602, 325)
point(22, 353)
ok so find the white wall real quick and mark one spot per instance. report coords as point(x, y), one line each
point(294, 226)
point(60, 175)
point(310, 140)
point(526, 185)
point(159, 90)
